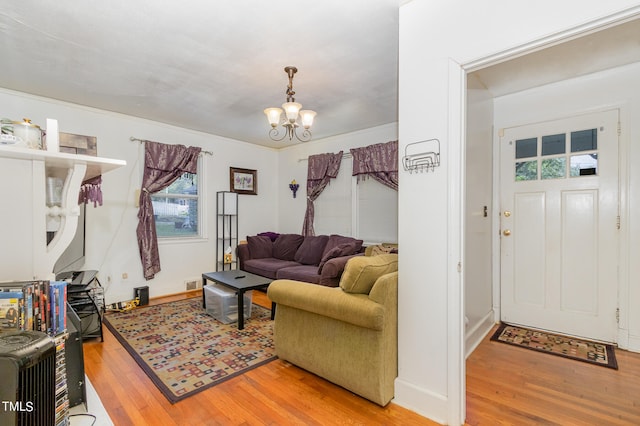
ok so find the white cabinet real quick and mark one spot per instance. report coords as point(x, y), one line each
point(24, 252)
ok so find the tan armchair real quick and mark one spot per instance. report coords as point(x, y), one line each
point(348, 334)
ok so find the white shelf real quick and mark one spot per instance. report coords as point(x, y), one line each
point(57, 163)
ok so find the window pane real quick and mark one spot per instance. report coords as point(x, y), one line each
point(175, 208)
point(584, 140)
point(584, 165)
point(553, 144)
point(527, 148)
point(527, 170)
point(185, 184)
point(554, 168)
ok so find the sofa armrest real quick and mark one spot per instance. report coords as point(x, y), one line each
point(242, 252)
point(356, 309)
point(333, 268)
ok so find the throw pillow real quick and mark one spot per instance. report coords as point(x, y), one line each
point(272, 235)
point(286, 246)
point(260, 247)
point(310, 251)
point(335, 240)
point(344, 249)
point(361, 272)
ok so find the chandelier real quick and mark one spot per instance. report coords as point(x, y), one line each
point(292, 111)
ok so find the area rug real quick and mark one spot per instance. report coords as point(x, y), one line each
point(567, 347)
point(184, 351)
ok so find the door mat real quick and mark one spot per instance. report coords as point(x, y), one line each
point(568, 347)
point(184, 350)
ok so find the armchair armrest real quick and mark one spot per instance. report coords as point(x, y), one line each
point(356, 309)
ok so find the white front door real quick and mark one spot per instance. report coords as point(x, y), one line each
point(559, 225)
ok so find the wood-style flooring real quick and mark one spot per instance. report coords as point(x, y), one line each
point(505, 385)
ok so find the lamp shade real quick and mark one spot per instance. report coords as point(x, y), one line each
point(291, 109)
point(273, 115)
point(307, 116)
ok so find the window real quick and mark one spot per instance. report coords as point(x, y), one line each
point(577, 149)
point(176, 208)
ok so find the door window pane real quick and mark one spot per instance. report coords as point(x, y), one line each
point(527, 170)
point(527, 148)
point(584, 165)
point(553, 144)
point(584, 140)
point(553, 168)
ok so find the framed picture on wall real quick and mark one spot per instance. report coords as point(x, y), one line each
point(243, 181)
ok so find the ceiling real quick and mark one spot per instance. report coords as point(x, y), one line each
point(214, 66)
point(211, 66)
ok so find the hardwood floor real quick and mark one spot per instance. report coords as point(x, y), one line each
point(505, 385)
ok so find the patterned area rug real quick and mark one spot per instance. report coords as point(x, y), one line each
point(184, 351)
point(568, 347)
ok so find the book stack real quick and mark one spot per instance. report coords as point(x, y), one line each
point(40, 306)
point(34, 305)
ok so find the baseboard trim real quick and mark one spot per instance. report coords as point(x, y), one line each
point(633, 344)
point(422, 401)
point(478, 332)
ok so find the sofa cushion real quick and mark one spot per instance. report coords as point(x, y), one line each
point(344, 249)
point(267, 267)
point(336, 240)
point(306, 273)
point(362, 272)
point(311, 249)
point(286, 246)
point(260, 247)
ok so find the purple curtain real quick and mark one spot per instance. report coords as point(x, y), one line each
point(322, 168)
point(379, 161)
point(163, 164)
point(91, 190)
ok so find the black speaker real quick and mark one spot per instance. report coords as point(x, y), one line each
point(28, 377)
point(142, 294)
point(74, 357)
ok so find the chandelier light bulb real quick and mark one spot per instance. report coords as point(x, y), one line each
point(273, 115)
point(307, 116)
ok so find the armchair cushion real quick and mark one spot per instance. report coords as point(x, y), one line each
point(260, 247)
point(362, 272)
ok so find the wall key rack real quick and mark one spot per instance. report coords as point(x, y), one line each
point(421, 156)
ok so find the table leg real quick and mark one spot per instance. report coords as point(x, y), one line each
point(240, 309)
point(273, 310)
point(204, 283)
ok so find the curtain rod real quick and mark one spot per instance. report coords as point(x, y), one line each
point(347, 155)
point(132, 139)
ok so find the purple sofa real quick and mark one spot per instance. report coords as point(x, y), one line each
point(318, 259)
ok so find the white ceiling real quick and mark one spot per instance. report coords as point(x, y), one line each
point(206, 65)
point(213, 66)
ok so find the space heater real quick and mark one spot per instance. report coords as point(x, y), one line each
point(28, 377)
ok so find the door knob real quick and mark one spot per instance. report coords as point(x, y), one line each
point(507, 213)
point(506, 232)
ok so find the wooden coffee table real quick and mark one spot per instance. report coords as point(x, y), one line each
point(240, 281)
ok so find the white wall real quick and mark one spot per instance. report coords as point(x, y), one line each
point(112, 246)
point(291, 211)
point(438, 38)
point(617, 88)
